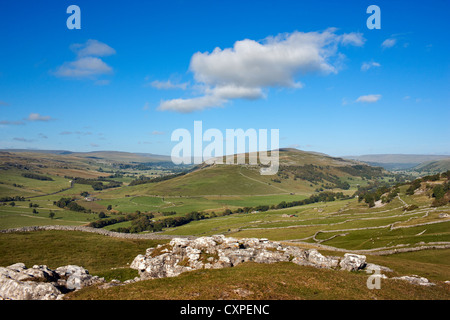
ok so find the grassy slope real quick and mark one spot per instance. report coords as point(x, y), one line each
point(281, 281)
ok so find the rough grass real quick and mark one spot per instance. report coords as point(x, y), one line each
point(99, 254)
point(280, 281)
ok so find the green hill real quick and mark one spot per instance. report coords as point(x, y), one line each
point(300, 172)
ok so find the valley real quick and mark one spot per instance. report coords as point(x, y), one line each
point(315, 201)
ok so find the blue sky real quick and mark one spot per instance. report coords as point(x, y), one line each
point(136, 71)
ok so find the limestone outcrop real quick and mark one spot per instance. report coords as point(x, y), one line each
point(17, 282)
point(215, 252)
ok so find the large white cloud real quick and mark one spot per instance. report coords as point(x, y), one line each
point(246, 69)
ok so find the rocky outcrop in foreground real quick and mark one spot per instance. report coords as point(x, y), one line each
point(41, 283)
point(181, 255)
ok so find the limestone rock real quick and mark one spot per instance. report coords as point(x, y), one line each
point(322, 261)
point(414, 279)
point(41, 283)
point(215, 252)
point(353, 262)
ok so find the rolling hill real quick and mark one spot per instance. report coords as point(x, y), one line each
point(300, 172)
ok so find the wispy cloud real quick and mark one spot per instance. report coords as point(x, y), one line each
point(88, 63)
point(167, 85)
point(4, 104)
point(367, 65)
point(249, 67)
point(84, 133)
point(158, 133)
point(146, 106)
point(13, 123)
point(20, 139)
point(370, 98)
point(38, 117)
point(92, 48)
point(389, 43)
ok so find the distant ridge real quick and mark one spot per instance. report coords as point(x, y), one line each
point(397, 161)
point(107, 155)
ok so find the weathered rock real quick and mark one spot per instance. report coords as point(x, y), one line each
point(41, 283)
point(218, 251)
point(322, 261)
point(414, 279)
point(11, 289)
point(373, 267)
point(353, 262)
point(77, 277)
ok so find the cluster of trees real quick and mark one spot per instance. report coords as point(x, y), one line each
point(314, 174)
point(9, 199)
point(97, 184)
point(441, 194)
point(361, 170)
point(143, 179)
point(36, 176)
point(326, 196)
point(144, 222)
point(70, 204)
point(308, 172)
point(106, 222)
point(374, 192)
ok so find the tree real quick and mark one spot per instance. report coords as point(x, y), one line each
point(438, 191)
point(109, 207)
point(35, 211)
point(51, 215)
point(12, 204)
point(102, 215)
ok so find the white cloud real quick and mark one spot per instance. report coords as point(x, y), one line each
point(367, 65)
point(354, 39)
point(88, 64)
point(92, 48)
point(158, 133)
point(38, 117)
point(370, 98)
point(389, 43)
point(83, 68)
point(243, 71)
point(189, 105)
point(165, 85)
